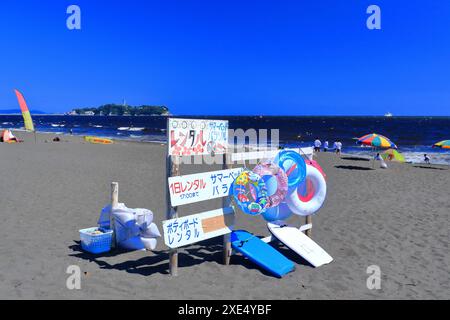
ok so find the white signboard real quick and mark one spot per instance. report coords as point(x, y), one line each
point(191, 137)
point(201, 186)
point(198, 227)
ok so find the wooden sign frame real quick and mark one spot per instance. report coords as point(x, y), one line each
point(173, 170)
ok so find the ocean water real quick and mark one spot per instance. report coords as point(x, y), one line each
point(413, 135)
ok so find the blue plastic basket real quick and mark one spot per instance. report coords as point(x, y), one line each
point(96, 243)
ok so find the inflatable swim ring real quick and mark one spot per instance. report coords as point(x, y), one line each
point(316, 165)
point(308, 197)
point(250, 193)
point(273, 175)
point(293, 165)
point(280, 212)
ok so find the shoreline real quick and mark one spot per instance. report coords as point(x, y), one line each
point(64, 134)
point(357, 154)
point(299, 132)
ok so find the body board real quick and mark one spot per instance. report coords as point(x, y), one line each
point(97, 140)
point(261, 253)
point(300, 243)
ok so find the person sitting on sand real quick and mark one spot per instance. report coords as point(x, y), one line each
point(317, 145)
point(426, 159)
point(7, 137)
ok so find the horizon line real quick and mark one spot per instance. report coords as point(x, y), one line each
point(227, 115)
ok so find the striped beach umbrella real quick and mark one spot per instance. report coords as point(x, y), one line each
point(443, 144)
point(377, 141)
point(393, 155)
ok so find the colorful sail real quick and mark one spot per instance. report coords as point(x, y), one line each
point(25, 112)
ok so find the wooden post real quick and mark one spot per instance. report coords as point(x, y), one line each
point(226, 203)
point(308, 219)
point(173, 169)
point(373, 158)
point(309, 231)
point(114, 203)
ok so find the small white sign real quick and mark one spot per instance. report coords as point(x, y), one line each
point(183, 231)
point(192, 137)
point(201, 186)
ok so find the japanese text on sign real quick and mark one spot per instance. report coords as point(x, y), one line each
point(202, 186)
point(190, 137)
point(187, 230)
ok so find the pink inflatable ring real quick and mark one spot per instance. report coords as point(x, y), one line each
point(271, 169)
point(316, 165)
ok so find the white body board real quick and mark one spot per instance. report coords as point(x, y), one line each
point(300, 243)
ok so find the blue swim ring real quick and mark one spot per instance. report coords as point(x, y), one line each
point(280, 212)
point(294, 165)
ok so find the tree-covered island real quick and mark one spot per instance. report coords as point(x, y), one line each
point(122, 110)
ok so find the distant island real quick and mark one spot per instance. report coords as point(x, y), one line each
point(122, 110)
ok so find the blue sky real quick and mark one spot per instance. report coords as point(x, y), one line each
point(229, 57)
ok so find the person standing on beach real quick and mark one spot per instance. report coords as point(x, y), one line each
point(426, 159)
point(325, 146)
point(317, 145)
point(338, 147)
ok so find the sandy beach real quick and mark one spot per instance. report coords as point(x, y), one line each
point(397, 219)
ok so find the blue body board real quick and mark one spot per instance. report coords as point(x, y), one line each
point(261, 253)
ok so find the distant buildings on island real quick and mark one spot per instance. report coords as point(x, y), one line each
point(121, 110)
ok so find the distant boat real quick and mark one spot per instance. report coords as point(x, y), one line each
point(389, 115)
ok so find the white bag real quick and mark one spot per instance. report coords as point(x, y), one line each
point(134, 228)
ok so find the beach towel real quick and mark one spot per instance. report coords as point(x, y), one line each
point(134, 228)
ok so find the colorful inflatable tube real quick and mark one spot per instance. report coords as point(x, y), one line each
point(316, 165)
point(278, 213)
point(293, 165)
point(271, 170)
point(308, 197)
point(250, 193)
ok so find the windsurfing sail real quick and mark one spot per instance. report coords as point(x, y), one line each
point(29, 126)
